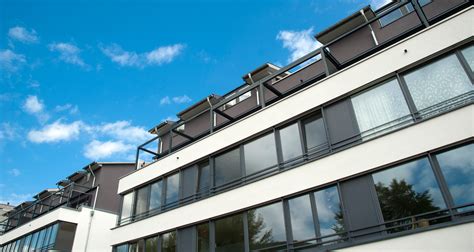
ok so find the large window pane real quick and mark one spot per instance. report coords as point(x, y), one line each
point(26, 244)
point(46, 237)
point(204, 180)
point(227, 167)
point(155, 194)
point(34, 239)
point(189, 182)
point(439, 81)
point(54, 233)
point(151, 244)
point(142, 201)
point(391, 17)
point(290, 142)
point(266, 226)
point(468, 53)
point(40, 238)
point(168, 242)
point(379, 108)
point(457, 166)
point(260, 154)
point(230, 234)
point(122, 248)
point(408, 189)
point(329, 211)
point(203, 237)
point(133, 247)
point(172, 189)
point(315, 134)
point(127, 206)
point(301, 216)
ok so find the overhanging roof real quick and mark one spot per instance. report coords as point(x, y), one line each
point(198, 107)
point(162, 127)
point(261, 72)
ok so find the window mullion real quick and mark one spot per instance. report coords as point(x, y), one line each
point(407, 95)
point(441, 182)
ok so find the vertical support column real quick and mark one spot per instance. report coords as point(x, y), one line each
point(261, 94)
point(420, 13)
point(170, 143)
point(323, 58)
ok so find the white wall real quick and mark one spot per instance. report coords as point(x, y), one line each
point(419, 46)
point(100, 233)
point(396, 146)
point(458, 238)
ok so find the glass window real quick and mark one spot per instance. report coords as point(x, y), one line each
point(127, 209)
point(391, 17)
point(142, 201)
point(408, 189)
point(34, 239)
point(26, 244)
point(290, 142)
point(260, 154)
point(315, 134)
point(437, 82)
point(230, 234)
point(168, 242)
point(141, 245)
point(329, 211)
point(46, 237)
point(151, 244)
point(133, 247)
point(172, 189)
point(301, 216)
point(468, 54)
point(122, 248)
point(203, 237)
point(155, 194)
point(227, 167)
point(204, 180)
point(40, 238)
point(381, 107)
point(457, 166)
point(266, 226)
point(54, 233)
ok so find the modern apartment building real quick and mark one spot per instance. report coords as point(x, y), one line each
point(77, 215)
point(365, 144)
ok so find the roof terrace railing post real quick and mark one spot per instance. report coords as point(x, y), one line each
point(261, 94)
point(211, 120)
point(420, 13)
point(170, 143)
point(325, 62)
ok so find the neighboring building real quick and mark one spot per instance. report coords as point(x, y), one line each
point(365, 144)
point(76, 216)
point(5, 208)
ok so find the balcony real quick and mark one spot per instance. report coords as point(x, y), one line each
point(349, 41)
point(72, 195)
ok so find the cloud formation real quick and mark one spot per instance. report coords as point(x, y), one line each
point(299, 43)
point(159, 56)
point(68, 53)
point(22, 35)
point(56, 132)
point(96, 150)
point(36, 107)
point(14, 172)
point(10, 61)
point(176, 99)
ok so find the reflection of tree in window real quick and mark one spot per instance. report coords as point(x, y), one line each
point(266, 226)
point(329, 210)
point(230, 234)
point(168, 242)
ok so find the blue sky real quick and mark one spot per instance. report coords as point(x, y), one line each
point(85, 80)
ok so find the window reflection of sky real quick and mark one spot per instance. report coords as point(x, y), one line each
point(327, 205)
point(273, 221)
point(301, 218)
point(417, 173)
point(457, 166)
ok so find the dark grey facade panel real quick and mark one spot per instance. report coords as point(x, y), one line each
point(187, 239)
point(341, 123)
point(189, 182)
point(65, 236)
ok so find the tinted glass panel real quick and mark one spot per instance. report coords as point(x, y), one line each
point(379, 108)
point(34, 239)
point(26, 244)
point(122, 248)
point(290, 142)
point(142, 201)
point(141, 246)
point(46, 237)
point(40, 238)
point(203, 237)
point(329, 210)
point(407, 190)
point(315, 134)
point(230, 234)
point(155, 194)
point(457, 166)
point(168, 242)
point(302, 223)
point(227, 167)
point(204, 182)
point(439, 81)
point(54, 233)
point(172, 189)
point(151, 244)
point(468, 53)
point(260, 154)
point(133, 247)
point(127, 205)
point(266, 226)
point(189, 176)
point(391, 17)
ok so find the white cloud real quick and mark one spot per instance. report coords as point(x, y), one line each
point(15, 199)
point(23, 35)
point(165, 100)
point(99, 150)
point(8, 132)
point(375, 4)
point(68, 53)
point(299, 43)
point(158, 56)
point(14, 172)
point(56, 132)
point(181, 99)
point(33, 105)
point(124, 131)
point(72, 109)
point(10, 61)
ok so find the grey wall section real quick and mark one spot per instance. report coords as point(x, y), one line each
point(341, 123)
point(239, 108)
point(437, 7)
point(356, 43)
point(65, 237)
point(189, 181)
point(359, 200)
point(198, 125)
point(107, 179)
point(187, 239)
point(395, 28)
